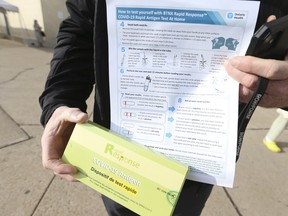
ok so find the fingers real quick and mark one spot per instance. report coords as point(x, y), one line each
point(245, 94)
point(61, 169)
point(247, 69)
point(51, 160)
point(237, 71)
point(271, 18)
point(64, 171)
point(55, 138)
point(268, 68)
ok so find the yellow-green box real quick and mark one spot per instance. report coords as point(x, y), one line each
point(142, 180)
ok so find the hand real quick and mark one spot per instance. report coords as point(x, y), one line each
point(247, 69)
point(55, 138)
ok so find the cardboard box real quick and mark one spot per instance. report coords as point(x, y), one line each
point(142, 180)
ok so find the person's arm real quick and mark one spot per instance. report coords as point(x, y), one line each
point(68, 85)
point(71, 76)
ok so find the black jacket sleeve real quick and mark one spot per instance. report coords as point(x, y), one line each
point(270, 7)
point(71, 77)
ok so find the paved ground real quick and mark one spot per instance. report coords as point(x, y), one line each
point(261, 182)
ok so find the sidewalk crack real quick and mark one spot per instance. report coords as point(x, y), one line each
point(232, 202)
point(14, 77)
point(42, 196)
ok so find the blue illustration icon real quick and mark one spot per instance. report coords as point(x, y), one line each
point(231, 43)
point(168, 135)
point(230, 15)
point(146, 83)
point(172, 109)
point(218, 42)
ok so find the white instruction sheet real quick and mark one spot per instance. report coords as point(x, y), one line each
point(169, 90)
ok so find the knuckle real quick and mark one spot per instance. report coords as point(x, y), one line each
point(272, 68)
point(251, 82)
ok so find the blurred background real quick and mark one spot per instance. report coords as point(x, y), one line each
point(27, 189)
point(17, 17)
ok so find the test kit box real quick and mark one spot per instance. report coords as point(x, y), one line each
point(138, 178)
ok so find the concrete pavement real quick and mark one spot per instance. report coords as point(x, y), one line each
point(261, 181)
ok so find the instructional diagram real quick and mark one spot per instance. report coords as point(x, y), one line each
point(169, 89)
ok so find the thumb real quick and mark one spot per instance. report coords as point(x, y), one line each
point(74, 115)
point(268, 68)
point(271, 18)
point(79, 116)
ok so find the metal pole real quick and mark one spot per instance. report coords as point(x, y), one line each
point(7, 24)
